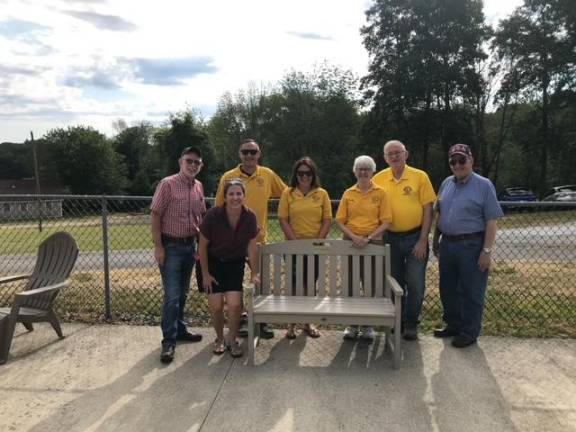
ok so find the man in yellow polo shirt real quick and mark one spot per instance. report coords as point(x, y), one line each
point(411, 197)
point(261, 184)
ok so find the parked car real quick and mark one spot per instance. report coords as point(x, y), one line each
point(517, 194)
point(565, 193)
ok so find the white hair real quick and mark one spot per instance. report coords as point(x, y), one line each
point(364, 162)
point(393, 142)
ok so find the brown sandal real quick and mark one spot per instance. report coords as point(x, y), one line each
point(219, 347)
point(311, 331)
point(290, 333)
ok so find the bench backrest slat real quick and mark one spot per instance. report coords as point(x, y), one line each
point(322, 261)
point(291, 268)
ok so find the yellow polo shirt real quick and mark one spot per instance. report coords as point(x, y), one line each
point(262, 185)
point(305, 213)
point(406, 196)
point(361, 212)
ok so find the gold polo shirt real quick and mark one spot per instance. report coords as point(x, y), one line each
point(361, 212)
point(262, 185)
point(406, 197)
point(305, 213)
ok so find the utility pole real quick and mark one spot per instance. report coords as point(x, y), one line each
point(37, 177)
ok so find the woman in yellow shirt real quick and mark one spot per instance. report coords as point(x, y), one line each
point(363, 215)
point(305, 212)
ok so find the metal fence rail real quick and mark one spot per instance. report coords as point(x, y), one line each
point(532, 289)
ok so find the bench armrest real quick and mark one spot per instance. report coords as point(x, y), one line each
point(40, 291)
point(13, 278)
point(396, 289)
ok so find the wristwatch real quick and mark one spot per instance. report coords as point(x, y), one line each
point(487, 251)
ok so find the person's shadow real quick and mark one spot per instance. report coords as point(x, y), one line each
point(145, 398)
point(467, 396)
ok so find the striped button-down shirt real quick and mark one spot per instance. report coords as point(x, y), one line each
point(179, 201)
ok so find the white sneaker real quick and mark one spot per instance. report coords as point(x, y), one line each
point(368, 333)
point(350, 332)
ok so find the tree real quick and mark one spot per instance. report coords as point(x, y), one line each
point(134, 144)
point(85, 160)
point(537, 43)
point(424, 60)
point(186, 129)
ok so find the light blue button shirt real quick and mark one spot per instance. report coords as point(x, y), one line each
point(465, 206)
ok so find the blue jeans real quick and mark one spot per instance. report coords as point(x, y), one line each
point(462, 285)
point(410, 273)
point(176, 272)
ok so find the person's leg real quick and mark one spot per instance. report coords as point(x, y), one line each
point(415, 284)
point(449, 286)
point(473, 288)
point(234, 302)
point(171, 272)
point(216, 304)
point(398, 268)
point(186, 267)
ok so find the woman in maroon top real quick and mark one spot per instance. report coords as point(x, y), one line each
point(227, 235)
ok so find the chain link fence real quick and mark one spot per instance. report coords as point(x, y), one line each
point(532, 289)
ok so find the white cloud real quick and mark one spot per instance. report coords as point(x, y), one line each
point(93, 61)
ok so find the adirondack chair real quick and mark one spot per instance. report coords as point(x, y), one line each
point(56, 258)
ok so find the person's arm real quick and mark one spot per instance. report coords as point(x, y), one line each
point(287, 229)
point(325, 228)
point(156, 227)
point(484, 260)
point(253, 259)
point(358, 240)
point(421, 247)
point(436, 236)
point(219, 199)
point(207, 279)
point(377, 233)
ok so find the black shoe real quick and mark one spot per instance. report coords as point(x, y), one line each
point(265, 331)
point(167, 354)
point(462, 342)
point(410, 335)
point(189, 337)
point(445, 332)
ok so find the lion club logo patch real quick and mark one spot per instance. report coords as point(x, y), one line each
point(260, 182)
point(407, 190)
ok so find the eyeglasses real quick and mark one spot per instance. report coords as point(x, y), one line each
point(304, 173)
point(196, 162)
point(247, 152)
point(459, 160)
point(394, 154)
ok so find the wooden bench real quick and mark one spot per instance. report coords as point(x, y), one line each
point(354, 287)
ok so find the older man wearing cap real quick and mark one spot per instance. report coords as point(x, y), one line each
point(466, 226)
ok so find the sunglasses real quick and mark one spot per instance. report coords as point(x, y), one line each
point(459, 160)
point(249, 152)
point(196, 162)
point(304, 173)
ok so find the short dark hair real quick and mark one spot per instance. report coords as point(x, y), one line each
point(191, 150)
point(310, 164)
point(248, 141)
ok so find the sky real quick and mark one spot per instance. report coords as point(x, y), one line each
point(93, 62)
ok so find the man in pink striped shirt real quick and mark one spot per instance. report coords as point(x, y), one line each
point(177, 210)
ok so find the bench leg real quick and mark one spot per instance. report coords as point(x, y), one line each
point(251, 338)
point(397, 348)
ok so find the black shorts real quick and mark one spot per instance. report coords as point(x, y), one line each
point(229, 274)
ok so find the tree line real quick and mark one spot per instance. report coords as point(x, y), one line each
point(438, 75)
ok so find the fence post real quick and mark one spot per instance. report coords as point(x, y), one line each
point(105, 245)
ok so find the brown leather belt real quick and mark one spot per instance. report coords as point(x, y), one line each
point(405, 233)
point(460, 237)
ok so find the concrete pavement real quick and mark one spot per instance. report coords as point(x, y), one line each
point(109, 378)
